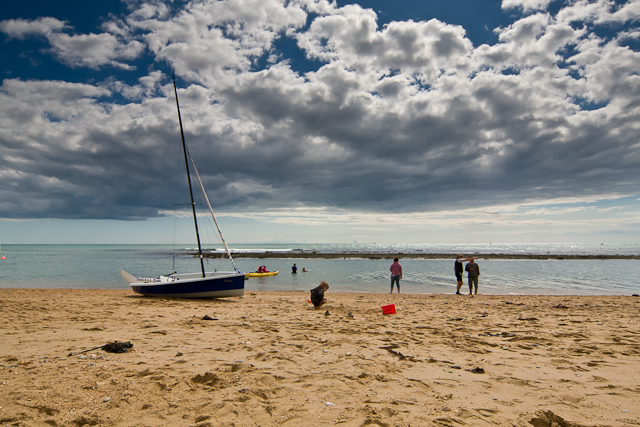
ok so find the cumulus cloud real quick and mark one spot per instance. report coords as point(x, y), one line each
point(526, 5)
point(21, 28)
point(94, 50)
point(81, 50)
point(408, 118)
point(211, 42)
point(352, 38)
point(601, 12)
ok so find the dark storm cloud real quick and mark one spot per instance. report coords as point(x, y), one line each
point(405, 118)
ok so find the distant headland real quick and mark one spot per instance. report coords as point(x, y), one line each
point(371, 255)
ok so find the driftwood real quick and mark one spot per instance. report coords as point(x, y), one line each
point(112, 347)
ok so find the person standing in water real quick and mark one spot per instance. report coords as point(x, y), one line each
point(458, 270)
point(396, 274)
point(474, 273)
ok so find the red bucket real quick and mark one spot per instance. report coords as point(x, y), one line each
point(389, 309)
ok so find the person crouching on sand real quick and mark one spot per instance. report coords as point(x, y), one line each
point(317, 294)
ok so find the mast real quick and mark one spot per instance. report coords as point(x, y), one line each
point(186, 162)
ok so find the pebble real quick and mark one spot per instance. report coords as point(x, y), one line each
point(625, 410)
point(107, 399)
point(330, 404)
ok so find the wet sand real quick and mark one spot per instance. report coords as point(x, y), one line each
point(270, 359)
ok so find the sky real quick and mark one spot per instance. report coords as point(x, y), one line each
point(312, 121)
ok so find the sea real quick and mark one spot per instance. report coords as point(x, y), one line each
point(98, 267)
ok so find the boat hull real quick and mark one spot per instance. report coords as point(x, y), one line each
point(190, 285)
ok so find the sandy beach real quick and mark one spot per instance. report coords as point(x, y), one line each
point(271, 359)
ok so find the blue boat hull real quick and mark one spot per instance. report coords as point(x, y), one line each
point(218, 285)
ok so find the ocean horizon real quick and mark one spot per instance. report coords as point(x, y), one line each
point(97, 266)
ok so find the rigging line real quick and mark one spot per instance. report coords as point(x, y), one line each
point(208, 226)
point(176, 210)
point(178, 194)
point(204, 193)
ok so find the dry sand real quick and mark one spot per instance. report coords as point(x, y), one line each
point(270, 359)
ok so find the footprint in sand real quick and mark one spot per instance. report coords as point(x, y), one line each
point(487, 412)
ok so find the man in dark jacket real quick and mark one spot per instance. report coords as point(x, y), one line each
point(474, 272)
point(457, 269)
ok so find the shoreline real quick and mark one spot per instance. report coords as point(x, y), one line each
point(438, 256)
point(270, 359)
point(333, 290)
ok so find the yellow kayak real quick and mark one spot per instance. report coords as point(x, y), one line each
point(256, 274)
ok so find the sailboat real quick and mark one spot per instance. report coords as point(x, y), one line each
point(191, 285)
